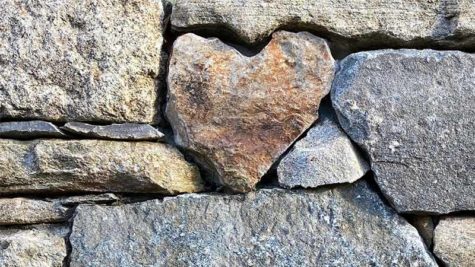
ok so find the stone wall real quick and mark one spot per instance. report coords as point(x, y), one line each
point(237, 133)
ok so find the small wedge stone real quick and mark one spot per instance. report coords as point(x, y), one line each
point(125, 131)
point(29, 130)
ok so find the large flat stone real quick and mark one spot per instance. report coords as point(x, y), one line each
point(55, 166)
point(324, 156)
point(123, 131)
point(38, 246)
point(345, 226)
point(238, 114)
point(454, 241)
point(64, 60)
point(29, 130)
point(367, 23)
point(413, 112)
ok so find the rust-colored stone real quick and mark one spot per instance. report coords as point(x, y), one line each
point(238, 114)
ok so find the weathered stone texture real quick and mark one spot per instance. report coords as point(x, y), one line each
point(346, 226)
point(237, 114)
point(29, 130)
point(324, 156)
point(39, 246)
point(84, 60)
point(365, 22)
point(413, 112)
point(123, 131)
point(96, 166)
point(30, 211)
point(454, 241)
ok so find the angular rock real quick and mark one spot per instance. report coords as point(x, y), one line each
point(29, 130)
point(346, 226)
point(412, 111)
point(56, 166)
point(125, 131)
point(324, 156)
point(454, 241)
point(64, 60)
point(237, 114)
point(40, 246)
point(372, 22)
point(31, 211)
point(106, 198)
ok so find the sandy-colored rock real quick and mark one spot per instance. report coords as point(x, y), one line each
point(38, 246)
point(123, 131)
point(88, 60)
point(30, 211)
point(324, 156)
point(29, 130)
point(413, 112)
point(368, 23)
point(345, 226)
point(454, 241)
point(237, 114)
point(56, 166)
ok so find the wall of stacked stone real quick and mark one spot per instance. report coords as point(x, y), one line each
point(237, 133)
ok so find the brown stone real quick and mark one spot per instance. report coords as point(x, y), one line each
point(238, 114)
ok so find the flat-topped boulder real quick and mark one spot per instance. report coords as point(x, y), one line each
point(413, 113)
point(237, 114)
point(345, 226)
point(64, 60)
point(364, 23)
point(58, 166)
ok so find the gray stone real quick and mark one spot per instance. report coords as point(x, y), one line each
point(370, 22)
point(413, 112)
point(238, 114)
point(124, 131)
point(69, 201)
point(345, 226)
point(90, 60)
point(31, 211)
point(454, 241)
point(38, 246)
point(324, 156)
point(58, 166)
point(29, 130)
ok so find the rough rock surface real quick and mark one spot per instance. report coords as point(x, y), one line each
point(40, 246)
point(124, 131)
point(376, 22)
point(56, 166)
point(346, 226)
point(324, 156)
point(29, 130)
point(454, 241)
point(413, 113)
point(30, 211)
point(237, 114)
point(91, 60)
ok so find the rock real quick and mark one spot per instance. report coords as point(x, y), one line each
point(425, 226)
point(58, 166)
point(30, 211)
point(125, 131)
point(324, 156)
point(29, 130)
point(363, 23)
point(237, 114)
point(412, 111)
point(345, 226)
point(106, 198)
point(454, 241)
point(40, 246)
point(91, 60)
